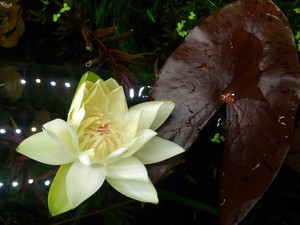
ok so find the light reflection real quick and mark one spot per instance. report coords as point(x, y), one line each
point(228, 98)
point(131, 93)
point(223, 201)
point(141, 91)
point(67, 84)
point(30, 181)
point(280, 120)
point(2, 131)
point(23, 81)
point(84, 159)
point(33, 129)
point(256, 166)
point(219, 122)
point(18, 131)
point(38, 80)
point(53, 83)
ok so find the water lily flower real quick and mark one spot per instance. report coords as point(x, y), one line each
point(101, 140)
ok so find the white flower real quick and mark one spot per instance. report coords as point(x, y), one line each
point(101, 140)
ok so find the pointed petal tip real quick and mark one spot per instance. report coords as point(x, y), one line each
point(40, 147)
point(138, 190)
point(55, 212)
point(153, 113)
point(157, 150)
point(163, 113)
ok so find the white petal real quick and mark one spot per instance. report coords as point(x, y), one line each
point(141, 139)
point(42, 148)
point(76, 119)
point(163, 113)
point(148, 113)
point(103, 86)
point(85, 83)
point(158, 149)
point(130, 147)
point(116, 155)
point(112, 84)
point(83, 181)
point(127, 168)
point(87, 157)
point(58, 201)
point(64, 135)
point(154, 113)
point(97, 99)
point(131, 126)
point(118, 105)
point(81, 95)
point(138, 190)
point(76, 102)
point(88, 77)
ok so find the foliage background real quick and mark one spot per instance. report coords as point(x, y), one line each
point(145, 37)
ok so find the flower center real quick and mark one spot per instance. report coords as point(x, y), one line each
point(101, 134)
point(104, 129)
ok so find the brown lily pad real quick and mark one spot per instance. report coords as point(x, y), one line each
point(10, 84)
point(243, 55)
point(12, 25)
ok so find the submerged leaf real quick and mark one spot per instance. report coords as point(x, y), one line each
point(243, 55)
point(12, 25)
point(10, 85)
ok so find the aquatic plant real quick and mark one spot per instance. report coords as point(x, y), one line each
point(232, 57)
point(132, 41)
point(12, 25)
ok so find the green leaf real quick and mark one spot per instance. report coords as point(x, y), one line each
point(180, 25)
point(56, 16)
point(150, 15)
point(297, 10)
point(218, 138)
point(182, 33)
point(192, 16)
point(45, 2)
point(297, 36)
point(99, 11)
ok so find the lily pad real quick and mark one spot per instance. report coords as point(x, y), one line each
point(243, 55)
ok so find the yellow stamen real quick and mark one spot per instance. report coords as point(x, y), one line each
point(102, 134)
